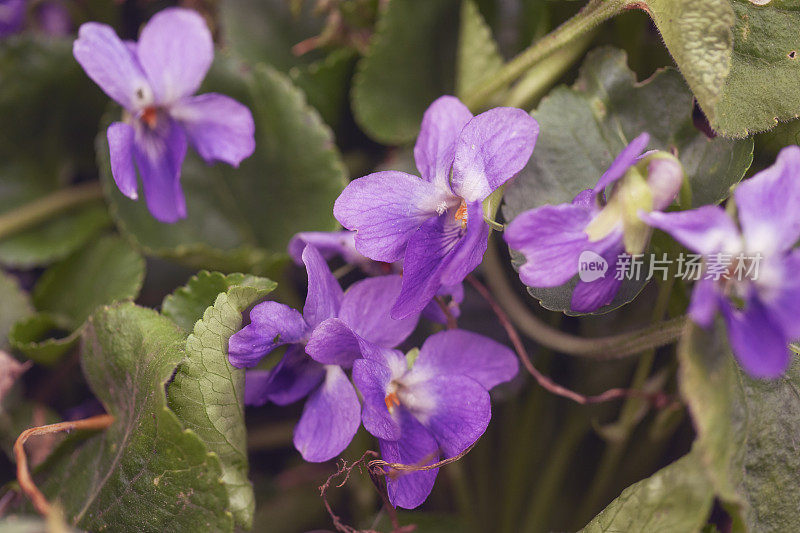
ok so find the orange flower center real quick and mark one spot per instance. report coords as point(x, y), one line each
point(391, 401)
point(461, 214)
point(150, 116)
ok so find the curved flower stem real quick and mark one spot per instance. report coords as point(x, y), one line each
point(612, 394)
point(23, 474)
point(599, 348)
point(47, 207)
point(593, 14)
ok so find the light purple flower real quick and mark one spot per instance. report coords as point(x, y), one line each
point(435, 224)
point(332, 329)
point(553, 237)
point(436, 405)
point(342, 244)
point(155, 80)
point(761, 302)
point(12, 16)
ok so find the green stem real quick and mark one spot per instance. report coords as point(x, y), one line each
point(47, 207)
point(628, 418)
point(592, 15)
point(549, 484)
point(535, 84)
point(598, 348)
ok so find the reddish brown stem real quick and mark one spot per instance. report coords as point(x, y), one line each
point(451, 319)
point(658, 399)
point(26, 483)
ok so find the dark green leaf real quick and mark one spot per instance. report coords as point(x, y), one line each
point(478, 56)
point(49, 110)
point(207, 392)
point(15, 304)
point(266, 30)
point(676, 498)
point(746, 431)
point(54, 239)
point(325, 83)
point(105, 271)
point(741, 59)
point(242, 219)
point(583, 128)
point(145, 472)
point(43, 338)
point(405, 68)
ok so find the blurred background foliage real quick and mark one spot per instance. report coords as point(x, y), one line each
point(337, 89)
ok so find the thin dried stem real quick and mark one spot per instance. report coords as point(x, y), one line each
point(380, 464)
point(451, 319)
point(26, 483)
point(343, 470)
point(658, 399)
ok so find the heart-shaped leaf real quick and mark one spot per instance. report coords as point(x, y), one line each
point(105, 271)
point(207, 392)
point(741, 58)
point(145, 472)
point(584, 127)
point(405, 69)
point(676, 498)
point(478, 57)
point(747, 431)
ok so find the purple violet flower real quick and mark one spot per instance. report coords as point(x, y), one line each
point(332, 329)
point(435, 224)
point(12, 16)
point(436, 404)
point(342, 244)
point(761, 307)
point(154, 80)
point(553, 237)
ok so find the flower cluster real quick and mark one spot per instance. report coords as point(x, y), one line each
point(441, 393)
point(417, 238)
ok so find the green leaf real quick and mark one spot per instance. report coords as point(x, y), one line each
point(676, 498)
point(242, 219)
point(106, 271)
point(325, 83)
point(50, 109)
point(478, 56)
point(145, 472)
point(742, 60)
point(103, 272)
point(583, 128)
point(15, 304)
point(266, 30)
point(405, 69)
point(746, 430)
point(54, 239)
point(43, 338)
point(207, 392)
